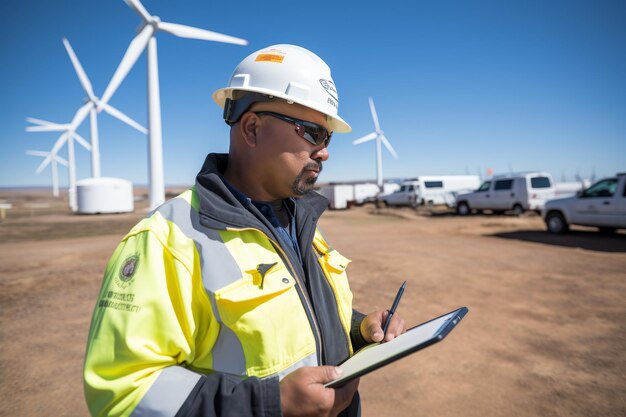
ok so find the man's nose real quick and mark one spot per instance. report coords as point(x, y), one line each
point(321, 153)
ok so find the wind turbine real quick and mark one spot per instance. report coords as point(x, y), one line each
point(52, 159)
point(68, 136)
point(93, 105)
point(146, 37)
point(379, 135)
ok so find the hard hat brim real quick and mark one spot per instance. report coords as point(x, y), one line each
point(336, 123)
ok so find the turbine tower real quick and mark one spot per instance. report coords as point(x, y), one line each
point(379, 135)
point(52, 159)
point(94, 103)
point(146, 37)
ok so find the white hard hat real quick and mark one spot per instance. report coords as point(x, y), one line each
point(286, 72)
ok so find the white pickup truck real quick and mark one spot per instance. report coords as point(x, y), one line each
point(429, 190)
point(602, 205)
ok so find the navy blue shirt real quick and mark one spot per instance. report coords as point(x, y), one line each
point(286, 234)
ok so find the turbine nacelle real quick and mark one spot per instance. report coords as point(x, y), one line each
point(153, 21)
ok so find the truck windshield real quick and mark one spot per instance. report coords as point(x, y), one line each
point(484, 186)
point(604, 188)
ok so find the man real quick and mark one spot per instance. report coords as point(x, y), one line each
point(227, 300)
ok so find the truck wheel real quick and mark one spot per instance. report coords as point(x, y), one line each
point(518, 210)
point(556, 223)
point(462, 209)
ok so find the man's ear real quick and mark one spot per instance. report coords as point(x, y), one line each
point(248, 125)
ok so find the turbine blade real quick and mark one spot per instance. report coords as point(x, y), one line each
point(82, 141)
point(365, 138)
point(48, 128)
point(195, 33)
point(374, 115)
point(138, 7)
point(121, 116)
point(60, 160)
point(388, 146)
point(39, 121)
point(59, 144)
point(37, 153)
point(80, 115)
point(135, 49)
point(43, 164)
point(82, 76)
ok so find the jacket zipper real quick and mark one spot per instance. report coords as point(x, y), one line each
point(317, 334)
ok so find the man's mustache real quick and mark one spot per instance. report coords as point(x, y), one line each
point(315, 165)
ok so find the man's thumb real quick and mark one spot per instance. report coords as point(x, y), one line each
point(330, 373)
point(376, 332)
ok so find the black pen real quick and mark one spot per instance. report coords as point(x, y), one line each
point(394, 306)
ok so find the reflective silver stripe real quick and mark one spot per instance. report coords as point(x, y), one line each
point(224, 269)
point(310, 360)
point(168, 393)
point(219, 269)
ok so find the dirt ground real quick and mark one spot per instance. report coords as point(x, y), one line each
point(545, 334)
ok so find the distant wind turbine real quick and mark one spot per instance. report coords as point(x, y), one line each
point(52, 160)
point(93, 105)
point(68, 136)
point(379, 135)
point(90, 107)
point(146, 37)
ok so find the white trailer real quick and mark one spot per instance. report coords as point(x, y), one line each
point(346, 194)
point(568, 189)
point(365, 192)
point(390, 187)
point(339, 196)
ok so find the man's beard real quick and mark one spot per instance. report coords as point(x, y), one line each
point(302, 185)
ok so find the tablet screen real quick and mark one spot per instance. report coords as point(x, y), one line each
point(377, 355)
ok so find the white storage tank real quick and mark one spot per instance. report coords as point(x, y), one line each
point(104, 195)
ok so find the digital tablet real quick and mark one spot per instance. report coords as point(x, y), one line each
point(377, 355)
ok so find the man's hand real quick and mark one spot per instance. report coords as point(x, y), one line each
point(302, 392)
point(372, 326)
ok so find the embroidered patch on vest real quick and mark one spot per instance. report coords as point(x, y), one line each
point(127, 271)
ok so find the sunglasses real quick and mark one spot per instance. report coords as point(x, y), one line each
point(309, 131)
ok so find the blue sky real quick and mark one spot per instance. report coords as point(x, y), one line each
point(460, 86)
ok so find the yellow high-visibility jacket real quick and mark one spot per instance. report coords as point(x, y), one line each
point(202, 310)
